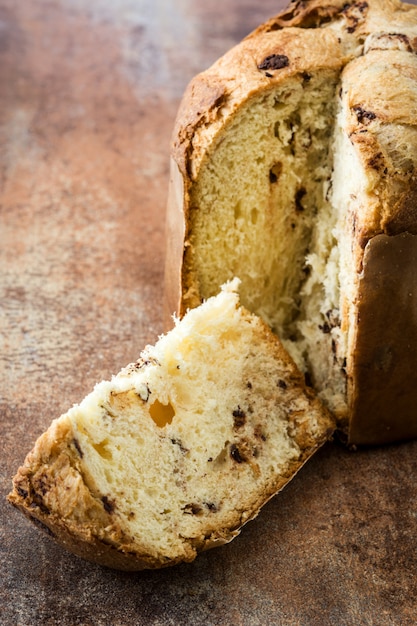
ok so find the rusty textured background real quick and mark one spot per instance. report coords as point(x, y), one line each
point(88, 95)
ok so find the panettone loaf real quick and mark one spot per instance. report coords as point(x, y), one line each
point(179, 450)
point(294, 168)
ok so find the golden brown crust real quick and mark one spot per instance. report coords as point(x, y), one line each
point(384, 375)
point(174, 251)
point(50, 490)
point(304, 14)
point(380, 91)
point(213, 97)
point(361, 16)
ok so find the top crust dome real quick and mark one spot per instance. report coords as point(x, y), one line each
point(294, 168)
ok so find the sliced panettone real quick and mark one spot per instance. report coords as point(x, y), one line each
point(179, 450)
point(294, 166)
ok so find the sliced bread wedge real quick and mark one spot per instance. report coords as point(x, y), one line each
point(180, 449)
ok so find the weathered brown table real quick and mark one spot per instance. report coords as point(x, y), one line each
point(88, 95)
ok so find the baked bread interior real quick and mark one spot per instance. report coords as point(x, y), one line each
point(294, 168)
point(180, 449)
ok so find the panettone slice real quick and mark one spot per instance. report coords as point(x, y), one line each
point(180, 449)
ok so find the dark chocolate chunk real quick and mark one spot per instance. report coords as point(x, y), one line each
point(177, 442)
point(236, 454)
point(22, 492)
point(211, 506)
point(363, 116)
point(109, 505)
point(41, 485)
point(272, 177)
point(192, 509)
point(307, 379)
point(78, 447)
point(275, 172)
point(38, 503)
point(354, 14)
point(274, 62)
point(299, 195)
point(239, 418)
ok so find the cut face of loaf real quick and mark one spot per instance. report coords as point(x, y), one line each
point(179, 450)
point(294, 168)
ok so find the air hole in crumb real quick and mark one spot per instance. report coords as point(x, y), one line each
point(221, 457)
point(162, 414)
point(254, 216)
point(238, 210)
point(102, 449)
point(109, 476)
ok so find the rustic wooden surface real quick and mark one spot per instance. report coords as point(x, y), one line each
point(88, 95)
